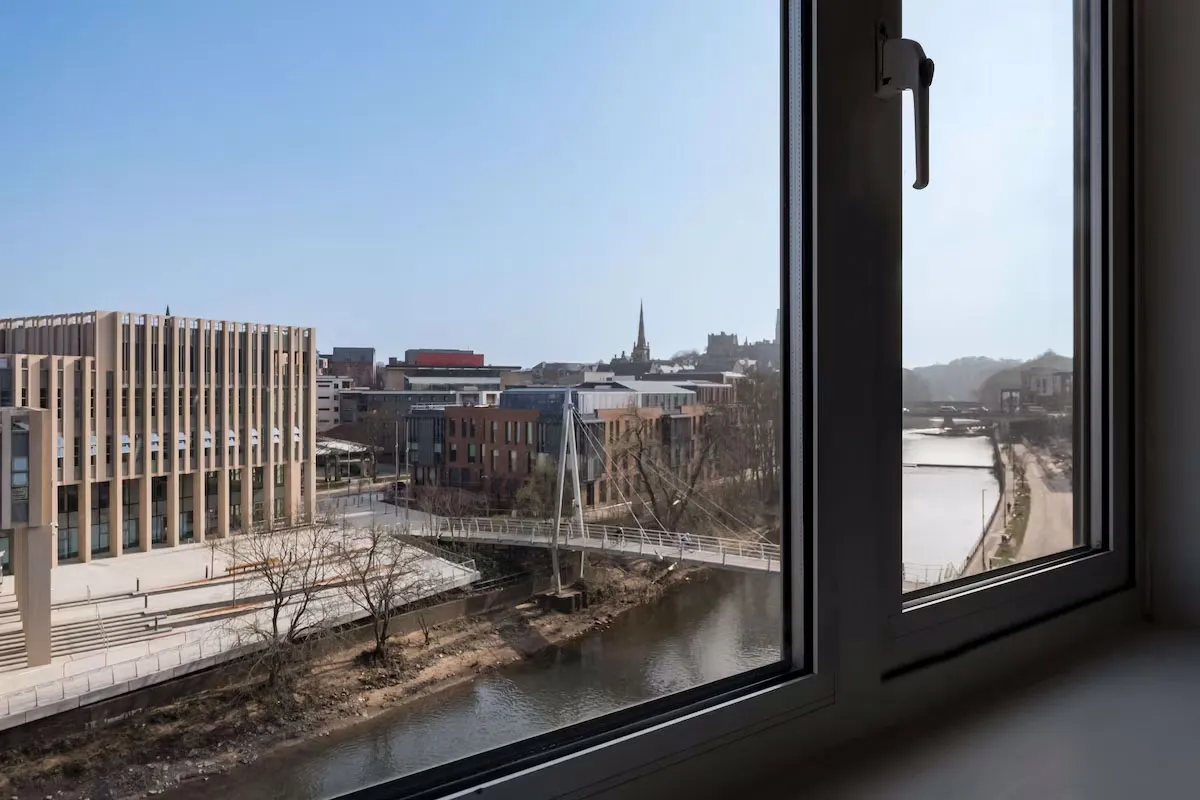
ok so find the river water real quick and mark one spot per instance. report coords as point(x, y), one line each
point(716, 627)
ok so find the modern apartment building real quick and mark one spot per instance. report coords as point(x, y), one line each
point(158, 429)
point(329, 400)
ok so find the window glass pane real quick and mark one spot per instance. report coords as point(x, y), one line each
point(569, 213)
point(992, 258)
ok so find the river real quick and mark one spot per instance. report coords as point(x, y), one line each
point(707, 630)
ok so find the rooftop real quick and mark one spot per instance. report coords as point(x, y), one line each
point(328, 447)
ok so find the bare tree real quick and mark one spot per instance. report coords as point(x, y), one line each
point(666, 459)
point(747, 465)
point(535, 498)
point(281, 574)
point(383, 571)
point(449, 501)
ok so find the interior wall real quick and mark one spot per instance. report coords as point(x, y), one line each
point(1169, 151)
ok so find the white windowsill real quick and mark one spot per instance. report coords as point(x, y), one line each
point(703, 756)
point(1117, 722)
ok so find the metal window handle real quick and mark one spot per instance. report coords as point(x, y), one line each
point(901, 66)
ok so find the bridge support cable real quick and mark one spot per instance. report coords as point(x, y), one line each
point(694, 495)
point(677, 484)
point(617, 484)
point(689, 494)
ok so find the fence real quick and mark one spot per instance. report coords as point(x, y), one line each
point(918, 576)
point(730, 552)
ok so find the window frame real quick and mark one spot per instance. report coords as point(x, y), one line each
point(930, 624)
point(869, 662)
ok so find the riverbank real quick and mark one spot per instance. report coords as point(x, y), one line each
point(190, 740)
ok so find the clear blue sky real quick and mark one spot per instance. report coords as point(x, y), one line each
point(507, 176)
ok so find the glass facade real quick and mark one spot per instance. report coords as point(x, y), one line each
point(68, 522)
point(210, 502)
point(130, 513)
point(19, 482)
point(158, 511)
point(187, 531)
point(100, 506)
point(235, 499)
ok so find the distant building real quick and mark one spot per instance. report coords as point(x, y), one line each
point(564, 373)
point(724, 353)
point(639, 357)
point(329, 391)
point(377, 417)
point(401, 375)
point(356, 363)
point(1048, 387)
point(443, 358)
point(486, 450)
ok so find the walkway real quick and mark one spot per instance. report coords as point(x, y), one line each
point(152, 617)
point(727, 553)
point(1051, 509)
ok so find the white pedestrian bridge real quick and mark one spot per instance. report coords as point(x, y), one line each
point(727, 553)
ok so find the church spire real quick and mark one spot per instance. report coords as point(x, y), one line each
point(168, 310)
point(641, 348)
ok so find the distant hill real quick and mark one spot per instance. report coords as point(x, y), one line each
point(916, 390)
point(962, 378)
point(989, 392)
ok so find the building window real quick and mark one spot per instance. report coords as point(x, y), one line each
point(495, 458)
point(100, 511)
point(19, 481)
point(453, 453)
point(158, 510)
point(528, 433)
point(187, 530)
point(495, 426)
point(508, 426)
point(68, 522)
point(512, 461)
point(450, 427)
point(130, 513)
point(471, 453)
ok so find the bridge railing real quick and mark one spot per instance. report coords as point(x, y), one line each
point(684, 546)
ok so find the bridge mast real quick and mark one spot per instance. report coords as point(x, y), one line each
point(575, 486)
point(567, 443)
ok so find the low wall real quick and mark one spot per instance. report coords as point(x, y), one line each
point(126, 694)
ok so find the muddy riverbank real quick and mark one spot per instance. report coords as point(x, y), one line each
point(193, 739)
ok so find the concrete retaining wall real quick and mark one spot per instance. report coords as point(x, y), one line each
point(109, 693)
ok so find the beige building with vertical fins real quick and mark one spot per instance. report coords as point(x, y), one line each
point(126, 432)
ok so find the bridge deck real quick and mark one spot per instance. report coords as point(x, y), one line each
point(728, 553)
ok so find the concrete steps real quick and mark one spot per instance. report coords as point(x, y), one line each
point(83, 636)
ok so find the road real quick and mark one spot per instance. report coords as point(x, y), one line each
point(1050, 529)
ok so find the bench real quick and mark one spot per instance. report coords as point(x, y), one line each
point(250, 566)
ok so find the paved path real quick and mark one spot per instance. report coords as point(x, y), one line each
point(198, 630)
point(1050, 529)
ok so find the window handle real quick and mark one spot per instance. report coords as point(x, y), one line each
point(901, 65)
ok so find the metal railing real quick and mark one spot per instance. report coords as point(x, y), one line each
point(99, 618)
point(921, 575)
point(728, 552)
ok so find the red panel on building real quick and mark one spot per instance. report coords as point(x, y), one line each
point(448, 359)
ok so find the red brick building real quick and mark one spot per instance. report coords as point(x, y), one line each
point(490, 450)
